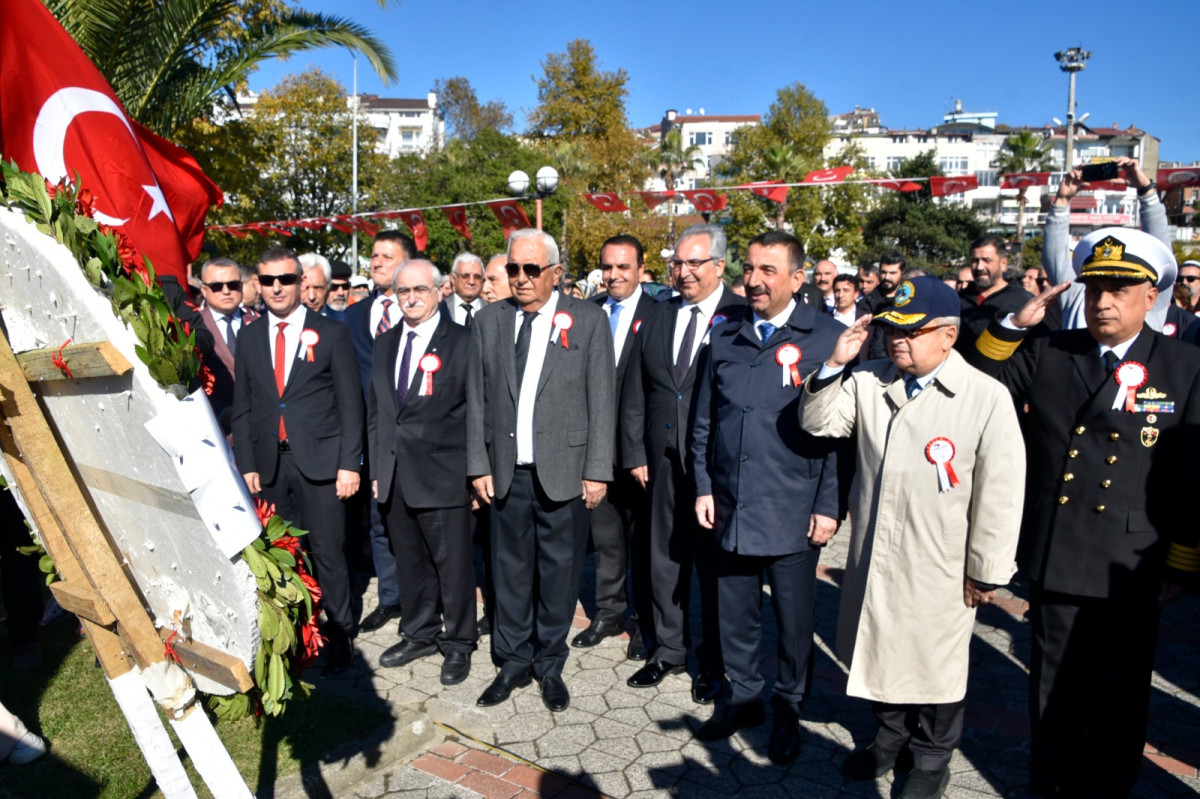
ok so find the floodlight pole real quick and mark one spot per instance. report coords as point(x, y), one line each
point(354, 168)
point(1070, 61)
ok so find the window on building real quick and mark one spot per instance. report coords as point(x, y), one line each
point(988, 177)
point(700, 137)
point(870, 162)
point(899, 140)
point(728, 137)
point(953, 165)
point(894, 162)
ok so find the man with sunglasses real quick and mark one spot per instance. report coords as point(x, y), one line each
point(224, 316)
point(298, 431)
point(540, 418)
point(1189, 278)
point(918, 418)
point(338, 299)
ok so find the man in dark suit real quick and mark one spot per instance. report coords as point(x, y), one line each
point(418, 457)
point(656, 403)
point(846, 307)
point(621, 265)
point(767, 489)
point(297, 430)
point(368, 320)
point(223, 315)
point(540, 416)
point(1113, 423)
point(466, 276)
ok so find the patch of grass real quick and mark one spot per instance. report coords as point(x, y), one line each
point(67, 701)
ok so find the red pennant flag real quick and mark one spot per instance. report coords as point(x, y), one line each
point(832, 175)
point(1177, 177)
point(705, 200)
point(1021, 180)
point(510, 214)
point(59, 116)
point(343, 223)
point(607, 202)
point(457, 216)
point(898, 185)
point(416, 223)
point(941, 187)
point(653, 199)
point(775, 192)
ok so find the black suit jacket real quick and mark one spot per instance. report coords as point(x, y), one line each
point(358, 319)
point(1106, 489)
point(423, 444)
point(221, 365)
point(321, 404)
point(655, 412)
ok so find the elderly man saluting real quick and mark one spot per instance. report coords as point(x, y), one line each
point(935, 509)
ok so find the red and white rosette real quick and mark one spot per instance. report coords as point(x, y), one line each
point(563, 322)
point(429, 364)
point(637, 325)
point(309, 338)
point(1130, 376)
point(939, 452)
point(1169, 329)
point(787, 357)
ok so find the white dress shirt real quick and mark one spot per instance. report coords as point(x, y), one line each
point(393, 312)
point(458, 313)
point(847, 318)
point(291, 338)
point(624, 319)
point(779, 319)
point(424, 333)
point(707, 306)
point(1121, 350)
point(539, 341)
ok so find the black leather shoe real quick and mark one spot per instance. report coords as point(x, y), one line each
point(637, 646)
point(404, 653)
point(501, 687)
point(653, 673)
point(555, 695)
point(483, 626)
point(707, 687)
point(456, 668)
point(926, 784)
point(873, 762)
point(596, 632)
point(379, 617)
point(728, 719)
point(338, 656)
point(784, 746)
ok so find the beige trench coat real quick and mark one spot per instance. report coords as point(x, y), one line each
point(903, 628)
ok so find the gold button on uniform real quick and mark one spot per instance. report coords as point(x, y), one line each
point(1063, 500)
point(1073, 453)
point(1068, 477)
point(1105, 483)
point(1115, 436)
point(1099, 509)
point(1111, 459)
point(1080, 430)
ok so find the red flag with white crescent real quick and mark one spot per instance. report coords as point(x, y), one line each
point(1177, 177)
point(832, 175)
point(898, 185)
point(941, 187)
point(1107, 185)
point(773, 191)
point(416, 223)
point(1021, 180)
point(457, 216)
point(653, 199)
point(510, 214)
point(608, 202)
point(60, 117)
point(705, 200)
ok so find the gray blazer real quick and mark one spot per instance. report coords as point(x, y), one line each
point(575, 410)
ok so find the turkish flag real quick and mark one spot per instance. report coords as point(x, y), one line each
point(416, 223)
point(653, 199)
point(941, 187)
point(1177, 177)
point(59, 116)
point(1021, 180)
point(775, 192)
point(833, 175)
point(608, 202)
point(1107, 185)
point(898, 185)
point(510, 214)
point(705, 200)
point(457, 216)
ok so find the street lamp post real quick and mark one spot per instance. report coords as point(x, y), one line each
point(546, 183)
point(1070, 61)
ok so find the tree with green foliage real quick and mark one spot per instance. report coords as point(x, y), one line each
point(465, 116)
point(169, 61)
point(1023, 151)
point(1031, 252)
point(932, 235)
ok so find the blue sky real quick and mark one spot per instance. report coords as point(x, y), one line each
point(909, 61)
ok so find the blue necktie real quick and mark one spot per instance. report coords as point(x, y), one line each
point(911, 386)
point(766, 330)
point(405, 361)
point(614, 310)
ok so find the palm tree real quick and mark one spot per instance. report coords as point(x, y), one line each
point(785, 165)
point(1024, 151)
point(671, 160)
point(167, 60)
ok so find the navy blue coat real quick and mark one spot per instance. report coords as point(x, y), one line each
point(766, 475)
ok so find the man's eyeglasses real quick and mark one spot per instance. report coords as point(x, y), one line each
point(677, 264)
point(217, 286)
point(532, 271)
point(895, 332)
point(420, 291)
point(1187, 278)
point(286, 279)
point(338, 285)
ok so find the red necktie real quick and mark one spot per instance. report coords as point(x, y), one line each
point(385, 321)
point(280, 346)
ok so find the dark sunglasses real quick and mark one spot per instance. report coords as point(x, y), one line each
point(532, 271)
point(216, 287)
point(1188, 278)
point(895, 332)
point(286, 279)
point(1043, 281)
point(339, 286)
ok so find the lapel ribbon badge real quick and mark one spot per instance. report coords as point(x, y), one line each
point(309, 338)
point(429, 364)
point(788, 356)
point(562, 323)
point(940, 451)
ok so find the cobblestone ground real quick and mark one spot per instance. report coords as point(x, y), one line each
point(625, 742)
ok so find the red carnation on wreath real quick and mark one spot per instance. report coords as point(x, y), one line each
point(264, 510)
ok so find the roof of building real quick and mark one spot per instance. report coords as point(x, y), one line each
point(378, 103)
point(680, 119)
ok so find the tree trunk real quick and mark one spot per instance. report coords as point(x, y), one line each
point(1021, 200)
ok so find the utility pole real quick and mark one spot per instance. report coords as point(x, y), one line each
point(1070, 61)
point(354, 168)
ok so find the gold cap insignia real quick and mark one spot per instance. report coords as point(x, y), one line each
point(1151, 393)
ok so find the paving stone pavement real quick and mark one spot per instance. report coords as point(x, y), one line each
point(623, 742)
